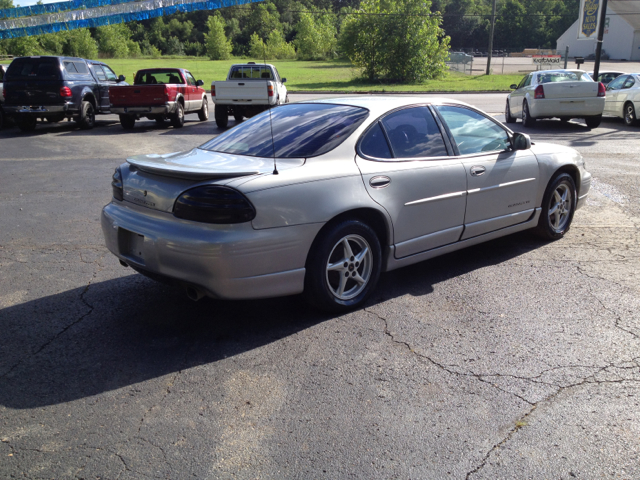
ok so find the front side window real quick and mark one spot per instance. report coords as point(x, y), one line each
point(111, 77)
point(414, 133)
point(617, 83)
point(190, 80)
point(527, 80)
point(99, 73)
point(300, 130)
point(629, 83)
point(473, 132)
point(521, 84)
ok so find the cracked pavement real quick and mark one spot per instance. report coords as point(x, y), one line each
point(513, 359)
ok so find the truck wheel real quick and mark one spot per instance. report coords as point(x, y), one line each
point(177, 119)
point(27, 123)
point(222, 116)
point(87, 118)
point(1, 118)
point(127, 122)
point(203, 113)
point(238, 117)
point(286, 99)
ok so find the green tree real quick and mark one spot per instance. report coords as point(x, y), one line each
point(79, 43)
point(316, 36)
point(113, 40)
point(6, 4)
point(275, 47)
point(397, 40)
point(23, 46)
point(217, 44)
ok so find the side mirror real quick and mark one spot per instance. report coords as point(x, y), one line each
point(199, 83)
point(121, 78)
point(284, 80)
point(514, 87)
point(521, 141)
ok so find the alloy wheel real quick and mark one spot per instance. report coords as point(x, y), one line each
point(560, 207)
point(349, 267)
point(629, 114)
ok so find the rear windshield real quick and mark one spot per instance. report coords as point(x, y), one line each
point(34, 68)
point(157, 77)
point(299, 130)
point(564, 77)
point(251, 72)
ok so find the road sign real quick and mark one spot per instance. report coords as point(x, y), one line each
point(547, 59)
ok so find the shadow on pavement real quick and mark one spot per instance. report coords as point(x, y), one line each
point(128, 330)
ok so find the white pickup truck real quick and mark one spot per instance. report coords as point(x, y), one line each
point(250, 88)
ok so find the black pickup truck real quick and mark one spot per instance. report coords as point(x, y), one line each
point(55, 88)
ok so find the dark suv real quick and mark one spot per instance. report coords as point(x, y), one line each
point(55, 88)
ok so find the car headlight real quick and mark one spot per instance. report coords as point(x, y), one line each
point(214, 204)
point(116, 185)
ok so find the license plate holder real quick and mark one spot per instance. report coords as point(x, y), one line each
point(131, 245)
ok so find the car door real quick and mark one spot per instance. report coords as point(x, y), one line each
point(501, 183)
point(282, 90)
point(611, 97)
point(192, 101)
point(625, 93)
point(406, 168)
point(106, 78)
point(515, 99)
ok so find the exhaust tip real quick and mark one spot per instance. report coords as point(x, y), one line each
point(194, 293)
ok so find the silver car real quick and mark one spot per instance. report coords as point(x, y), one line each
point(321, 197)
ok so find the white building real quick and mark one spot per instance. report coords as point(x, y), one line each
point(621, 34)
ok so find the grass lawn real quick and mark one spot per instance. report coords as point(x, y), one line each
point(334, 76)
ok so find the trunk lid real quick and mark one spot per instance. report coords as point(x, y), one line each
point(156, 181)
point(562, 90)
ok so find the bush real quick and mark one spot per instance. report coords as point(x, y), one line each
point(275, 48)
point(316, 37)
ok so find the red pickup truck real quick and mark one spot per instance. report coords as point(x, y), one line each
point(160, 94)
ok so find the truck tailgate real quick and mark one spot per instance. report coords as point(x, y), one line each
point(138, 95)
point(244, 91)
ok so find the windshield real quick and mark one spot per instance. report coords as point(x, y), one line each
point(564, 77)
point(300, 130)
point(34, 67)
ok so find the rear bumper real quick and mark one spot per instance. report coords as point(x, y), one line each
point(566, 107)
point(164, 109)
point(225, 261)
point(36, 109)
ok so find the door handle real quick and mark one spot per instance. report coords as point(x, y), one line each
point(477, 170)
point(380, 181)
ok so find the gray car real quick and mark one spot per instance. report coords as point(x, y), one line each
point(321, 197)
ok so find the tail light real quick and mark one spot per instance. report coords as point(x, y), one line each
point(539, 92)
point(65, 92)
point(601, 90)
point(116, 185)
point(214, 204)
point(213, 90)
point(270, 90)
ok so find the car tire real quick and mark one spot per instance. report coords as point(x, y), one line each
point(87, 118)
point(203, 113)
point(527, 120)
point(238, 118)
point(1, 118)
point(27, 123)
point(286, 99)
point(222, 116)
point(177, 119)
point(507, 114)
point(629, 114)
point(594, 121)
point(558, 206)
point(127, 122)
point(328, 284)
point(161, 121)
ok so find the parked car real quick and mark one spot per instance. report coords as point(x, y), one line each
point(160, 94)
point(623, 98)
point(606, 76)
point(249, 89)
point(320, 197)
point(3, 69)
point(564, 94)
point(55, 88)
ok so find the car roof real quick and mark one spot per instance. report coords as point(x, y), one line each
point(378, 104)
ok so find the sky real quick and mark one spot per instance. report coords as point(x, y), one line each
point(26, 3)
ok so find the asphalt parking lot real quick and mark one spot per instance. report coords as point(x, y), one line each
point(514, 359)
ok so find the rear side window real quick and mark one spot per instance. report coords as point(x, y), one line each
point(34, 68)
point(374, 144)
point(75, 68)
point(414, 133)
point(300, 130)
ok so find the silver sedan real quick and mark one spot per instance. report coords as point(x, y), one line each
point(321, 197)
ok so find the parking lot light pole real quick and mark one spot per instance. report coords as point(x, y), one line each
point(493, 24)
point(603, 16)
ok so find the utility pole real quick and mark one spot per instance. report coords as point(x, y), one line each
point(493, 24)
point(566, 56)
point(603, 16)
